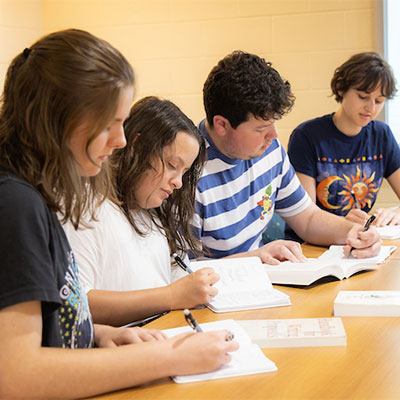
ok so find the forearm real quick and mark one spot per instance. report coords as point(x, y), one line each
point(119, 308)
point(320, 227)
point(325, 229)
point(48, 372)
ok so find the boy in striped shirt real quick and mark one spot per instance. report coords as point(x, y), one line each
point(248, 175)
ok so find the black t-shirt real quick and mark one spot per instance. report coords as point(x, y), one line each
point(37, 264)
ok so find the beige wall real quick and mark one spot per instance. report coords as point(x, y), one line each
point(173, 44)
point(21, 22)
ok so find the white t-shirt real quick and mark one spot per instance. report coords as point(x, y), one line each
point(112, 256)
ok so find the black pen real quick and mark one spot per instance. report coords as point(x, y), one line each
point(181, 263)
point(353, 195)
point(191, 321)
point(144, 321)
point(370, 220)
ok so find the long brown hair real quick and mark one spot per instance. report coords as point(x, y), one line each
point(63, 79)
point(152, 125)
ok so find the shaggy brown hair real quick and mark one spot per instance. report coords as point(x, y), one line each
point(364, 72)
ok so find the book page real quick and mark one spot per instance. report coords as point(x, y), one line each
point(244, 284)
point(249, 359)
point(250, 299)
point(237, 274)
point(336, 252)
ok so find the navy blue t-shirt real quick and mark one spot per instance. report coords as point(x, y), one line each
point(341, 164)
point(37, 264)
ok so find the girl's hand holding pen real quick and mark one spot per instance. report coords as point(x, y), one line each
point(201, 352)
point(363, 241)
point(193, 289)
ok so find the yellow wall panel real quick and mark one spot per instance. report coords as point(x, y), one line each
point(323, 65)
point(308, 32)
point(21, 14)
point(173, 44)
point(358, 29)
point(272, 7)
point(334, 5)
point(187, 10)
point(294, 67)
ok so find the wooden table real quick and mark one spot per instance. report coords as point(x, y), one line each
point(367, 368)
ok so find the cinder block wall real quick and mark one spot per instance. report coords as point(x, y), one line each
point(173, 44)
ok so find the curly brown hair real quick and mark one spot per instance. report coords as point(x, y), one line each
point(242, 84)
point(62, 79)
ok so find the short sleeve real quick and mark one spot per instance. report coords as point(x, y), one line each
point(301, 152)
point(87, 250)
point(393, 154)
point(27, 271)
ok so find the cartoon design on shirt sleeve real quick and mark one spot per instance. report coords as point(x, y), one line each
point(266, 202)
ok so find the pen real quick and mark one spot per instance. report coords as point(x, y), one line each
point(191, 321)
point(195, 326)
point(144, 321)
point(353, 195)
point(366, 227)
point(181, 263)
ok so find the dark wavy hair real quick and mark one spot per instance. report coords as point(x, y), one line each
point(364, 72)
point(152, 125)
point(62, 80)
point(242, 84)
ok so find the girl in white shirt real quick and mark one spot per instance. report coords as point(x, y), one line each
point(125, 256)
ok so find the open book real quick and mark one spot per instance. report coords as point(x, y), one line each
point(295, 332)
point(249, 359)
point(244, 285)
point(367, 303)
point(332, 263)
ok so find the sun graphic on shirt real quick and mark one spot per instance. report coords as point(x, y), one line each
point(362, 187)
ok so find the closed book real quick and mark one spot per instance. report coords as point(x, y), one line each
point(302, 332)
point(389, 231)
point(367, 303)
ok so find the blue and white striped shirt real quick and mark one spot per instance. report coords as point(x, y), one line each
point(235, 199)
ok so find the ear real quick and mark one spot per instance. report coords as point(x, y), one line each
point(221, 125)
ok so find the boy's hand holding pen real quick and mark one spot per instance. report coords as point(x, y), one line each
point(356, 214)
point(371, 246)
